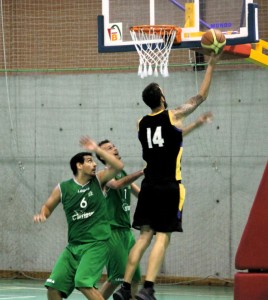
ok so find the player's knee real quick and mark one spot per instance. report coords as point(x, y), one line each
point(144, 242)
point(163, 239)
point(53, 294)
point(88, 292)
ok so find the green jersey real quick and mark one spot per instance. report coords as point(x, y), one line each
point(118, 202)
point(86, 211)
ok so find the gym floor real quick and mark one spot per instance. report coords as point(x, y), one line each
point(32, 289)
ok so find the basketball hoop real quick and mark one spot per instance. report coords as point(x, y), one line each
point(153, 44)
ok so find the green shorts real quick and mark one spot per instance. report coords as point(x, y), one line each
point(120, 244)
point(78, 266)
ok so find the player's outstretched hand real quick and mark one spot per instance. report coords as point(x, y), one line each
point(39, 218)
point(87, 143)
point(206, 117)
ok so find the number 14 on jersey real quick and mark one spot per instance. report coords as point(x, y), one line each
point(155, 138)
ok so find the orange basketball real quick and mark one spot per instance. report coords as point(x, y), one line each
point(213, 40)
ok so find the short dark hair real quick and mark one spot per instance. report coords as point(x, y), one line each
point(78, 158)
point(151, 95)
point(100, 144)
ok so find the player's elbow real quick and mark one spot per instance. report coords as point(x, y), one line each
point(202, 96)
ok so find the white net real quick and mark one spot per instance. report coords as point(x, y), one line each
point(153, 44)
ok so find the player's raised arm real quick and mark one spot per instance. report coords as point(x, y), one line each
point(191, 104)
point(115, 165)
point(201, 120)
point(124, 181)
point(204, 88)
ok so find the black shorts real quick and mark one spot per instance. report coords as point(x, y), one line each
point(158, 207)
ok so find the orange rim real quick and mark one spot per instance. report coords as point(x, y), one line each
point(159, 29)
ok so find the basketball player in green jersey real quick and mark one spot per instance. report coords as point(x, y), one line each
point(162, 193)
point(81, 263)
point(118, 191)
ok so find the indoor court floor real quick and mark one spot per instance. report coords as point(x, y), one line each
point(32, 289)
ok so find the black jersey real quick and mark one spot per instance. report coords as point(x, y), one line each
point(162, 147)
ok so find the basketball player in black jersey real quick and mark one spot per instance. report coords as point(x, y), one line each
point(160, 202)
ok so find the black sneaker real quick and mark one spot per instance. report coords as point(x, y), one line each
point(122, 294)
point(145, 294)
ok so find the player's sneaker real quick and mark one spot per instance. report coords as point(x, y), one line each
point(146, 294)
point(122, 294)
